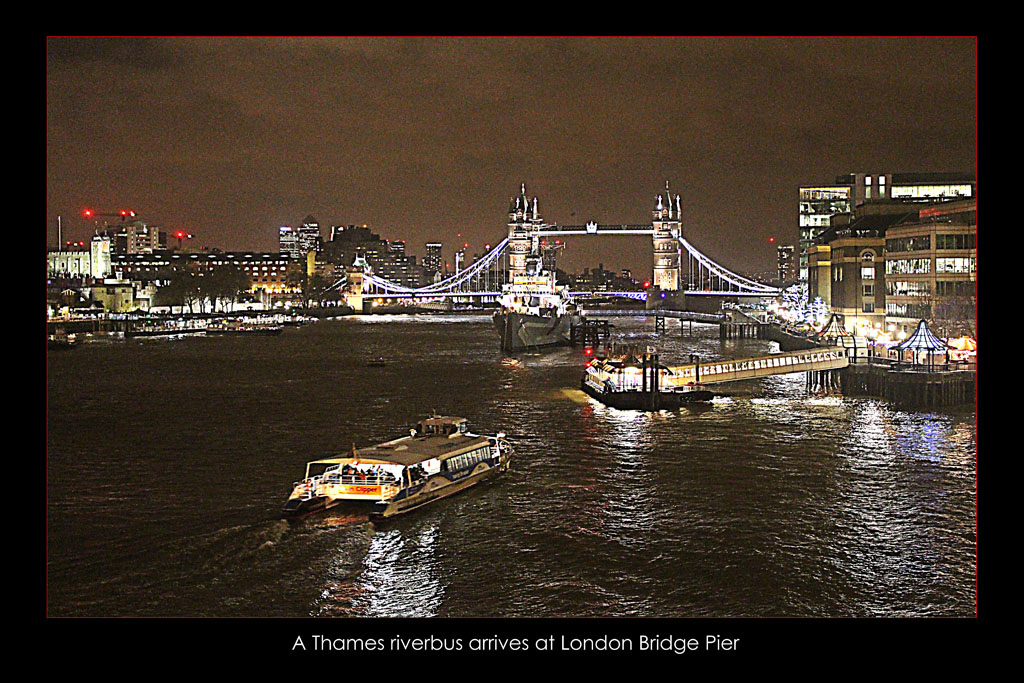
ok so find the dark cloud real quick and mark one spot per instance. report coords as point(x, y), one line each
point(423, 138)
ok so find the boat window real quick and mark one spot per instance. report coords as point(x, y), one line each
point(315, 469)
point(467, 460)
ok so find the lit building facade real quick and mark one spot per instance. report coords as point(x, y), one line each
point(817, 206)
point(931, 270)
point(297, 242)
point(100, 250)
point(268, 271)
point(785, 262)
point(116, 295)
point(141, 238)
point(288, 241)
point(846, 266)
point(818, 203)
point(308, 236)
point(398, 267)
point(819, 272)
point(69, 263)
point(433, 262)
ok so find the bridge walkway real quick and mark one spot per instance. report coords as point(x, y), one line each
point(825, 358)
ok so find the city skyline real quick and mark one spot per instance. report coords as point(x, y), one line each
point(423, 138)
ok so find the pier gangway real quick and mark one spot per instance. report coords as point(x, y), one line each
point(715, 372)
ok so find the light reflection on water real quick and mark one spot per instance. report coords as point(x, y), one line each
point(396, 577)
point(766, 502)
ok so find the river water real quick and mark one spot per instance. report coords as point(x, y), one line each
point(169, 460)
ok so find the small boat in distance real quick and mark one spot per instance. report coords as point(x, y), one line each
point(439, 457)
point(61, 340)
point(377, 362)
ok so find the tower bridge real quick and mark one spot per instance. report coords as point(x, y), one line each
point(678, 267)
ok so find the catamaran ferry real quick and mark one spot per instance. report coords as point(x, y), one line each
point(535, 312)
point(438, 458)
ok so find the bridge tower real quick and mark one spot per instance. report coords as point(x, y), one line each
point(668, 227)
point(353, 289)
point(523, 221)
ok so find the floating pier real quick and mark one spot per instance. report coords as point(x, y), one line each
point(910, 387)
point(638, 382)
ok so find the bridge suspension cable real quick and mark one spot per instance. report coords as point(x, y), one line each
point(444, 286)
point(741, 283)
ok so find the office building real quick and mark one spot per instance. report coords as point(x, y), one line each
point(433, 262)
point(818, 203)
point(786, 263)
point(931, 270)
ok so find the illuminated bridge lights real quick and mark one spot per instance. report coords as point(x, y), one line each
point(705, 277)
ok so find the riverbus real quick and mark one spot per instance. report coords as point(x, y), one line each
point(439, 457)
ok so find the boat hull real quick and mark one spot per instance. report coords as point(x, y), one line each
point(296, 508)
point(639, 400)
point(438, 487)
point(522, 331)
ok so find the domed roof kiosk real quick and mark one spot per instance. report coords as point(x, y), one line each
point(922, 341)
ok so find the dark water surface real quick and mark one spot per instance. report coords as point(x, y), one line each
point(169, 460)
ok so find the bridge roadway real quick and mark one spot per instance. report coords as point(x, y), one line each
point(825, 358)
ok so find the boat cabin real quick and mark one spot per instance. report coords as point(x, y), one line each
point(441, 426)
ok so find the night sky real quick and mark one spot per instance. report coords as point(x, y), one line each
point(422, 138)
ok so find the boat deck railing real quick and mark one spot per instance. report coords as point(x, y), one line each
point(356, 479)
point(310, 485)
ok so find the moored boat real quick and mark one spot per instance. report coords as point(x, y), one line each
point(61, 340)
point(535, 313)
point(631, 383)
point(438, 458)
point(235, 327)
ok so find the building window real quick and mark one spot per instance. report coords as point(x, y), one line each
point(868, 307)
point(955, 241)
point(907, 288)
point(956, 265)
point(869, 290)
point(908, 310)
point(917, 243)
point(929, 191)
point(955, 288)
point(906, 266)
